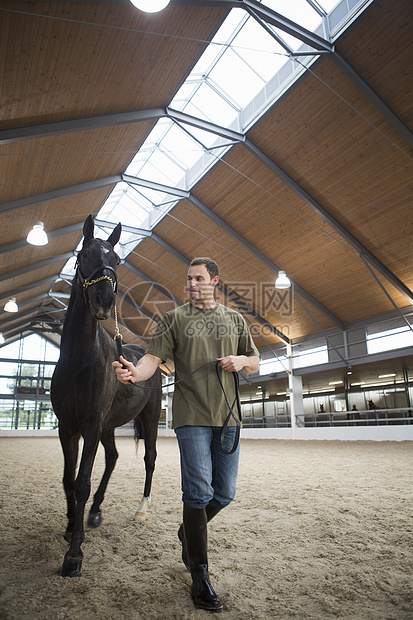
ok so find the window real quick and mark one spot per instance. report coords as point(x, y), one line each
point(390, 339)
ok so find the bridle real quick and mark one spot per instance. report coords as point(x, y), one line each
point(86, 282)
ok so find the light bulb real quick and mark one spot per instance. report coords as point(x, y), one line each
point(150, 6)
point(11, 305)
point(37, 235)
point(282, 281)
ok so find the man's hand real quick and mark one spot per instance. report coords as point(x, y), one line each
point(143, 370)
point(231, 363)
point(127, 374)
point(234, 363)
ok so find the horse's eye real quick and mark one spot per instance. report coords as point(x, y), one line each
point(84, 255)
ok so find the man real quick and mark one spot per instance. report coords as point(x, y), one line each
point(198, 332)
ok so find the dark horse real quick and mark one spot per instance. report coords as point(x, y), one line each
point(86, 396)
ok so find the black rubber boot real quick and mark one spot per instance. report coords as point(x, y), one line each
point(195, 528)
point(211, 510)
point(181, 536)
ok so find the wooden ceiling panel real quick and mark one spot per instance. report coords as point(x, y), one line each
point(55, 214)
point(253, 201)
point(36, 166)
point(72, 59)
point(380, 47)
point(239, 270)
point(31, 276)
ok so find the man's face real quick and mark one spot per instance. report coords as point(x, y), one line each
point(200, 284)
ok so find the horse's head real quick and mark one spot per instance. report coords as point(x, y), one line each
point(96, 270)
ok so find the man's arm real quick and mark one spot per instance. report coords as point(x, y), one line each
point(143, 370)
point(234, 363)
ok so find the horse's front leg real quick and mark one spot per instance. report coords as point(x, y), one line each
point(70, 448)
point(72, 563)
point(111, 456)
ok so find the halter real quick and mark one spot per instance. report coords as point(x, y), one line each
point(86, 282)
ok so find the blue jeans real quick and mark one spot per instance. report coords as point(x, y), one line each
point(207, 473)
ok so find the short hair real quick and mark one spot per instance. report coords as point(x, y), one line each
point(210, 265)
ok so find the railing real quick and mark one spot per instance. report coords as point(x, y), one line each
point(375, 417)
point(366, 417)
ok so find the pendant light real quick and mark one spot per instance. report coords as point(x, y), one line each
point(37, 235)
point(282, 281)
point(150, 6)
point(11, 305)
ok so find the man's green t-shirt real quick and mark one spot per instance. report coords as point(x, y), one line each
point(194, 336)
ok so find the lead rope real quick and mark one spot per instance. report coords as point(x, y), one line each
point(118, 336)
point(118, 339)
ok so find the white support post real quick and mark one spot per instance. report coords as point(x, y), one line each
point(295, 388)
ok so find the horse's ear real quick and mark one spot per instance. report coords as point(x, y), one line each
point(115, 235)
point(88, 227)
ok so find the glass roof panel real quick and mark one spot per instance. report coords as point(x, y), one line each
point(213, 107)
point(328, 5)
point(230, 25)
point(236, 78)
point(180, 145)
point(259, 49)
point(299, 11)
point(161, 169)
point(206, 138)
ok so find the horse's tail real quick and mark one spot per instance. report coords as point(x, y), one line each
point(138, 430)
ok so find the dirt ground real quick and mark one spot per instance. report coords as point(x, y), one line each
point(318, 530)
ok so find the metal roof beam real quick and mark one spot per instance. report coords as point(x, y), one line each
point(149, 280)
point(17, 134)
point(373, 97)
point(13, 317)
point(129, 229)
point(270, 16)
point(229, 294)
point(264, 259)
point(181, 117)
point(22, 243)
point(28, 287)
point(25, 327)
point(28, 201)
point(26, 302)
point(135, 306)
point(157, 187)
point(34, 266)
point(329, 219)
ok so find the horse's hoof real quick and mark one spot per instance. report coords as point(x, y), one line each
point(72, 567)
point(95, 519)
point(141, 517)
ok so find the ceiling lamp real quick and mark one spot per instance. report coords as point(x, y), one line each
point(150, 6)
point(282, 281)
point(11, 305)
point(37, 235)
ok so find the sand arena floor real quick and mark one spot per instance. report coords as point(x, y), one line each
point(318, 530)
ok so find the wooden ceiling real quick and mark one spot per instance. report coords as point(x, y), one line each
point(323, 177)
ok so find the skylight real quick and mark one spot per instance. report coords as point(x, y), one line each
point(243, 71)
